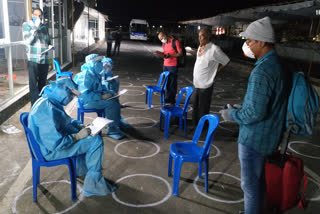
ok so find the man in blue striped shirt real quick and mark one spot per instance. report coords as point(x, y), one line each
point(37, 39)
point(262, 115)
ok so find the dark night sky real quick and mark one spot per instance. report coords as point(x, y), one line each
point(122, 11)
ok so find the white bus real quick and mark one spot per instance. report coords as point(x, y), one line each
point(139, 29)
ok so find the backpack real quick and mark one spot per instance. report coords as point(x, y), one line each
point(180, 59)
point(303, 106)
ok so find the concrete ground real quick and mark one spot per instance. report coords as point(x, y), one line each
point(139, 162)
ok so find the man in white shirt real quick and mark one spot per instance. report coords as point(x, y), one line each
point(210, 59)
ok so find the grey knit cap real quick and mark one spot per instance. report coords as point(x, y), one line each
point(260, 30)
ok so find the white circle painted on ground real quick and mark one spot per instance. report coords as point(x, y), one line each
point(216, 199)
point(144, 205)
point(302, 142)
point(80, 198)
point(228, 98)
point(143, 127)
point(214, 112)
point(146, 79)
point(125, 84)
point(145, 86)
point(135, 92)
point(143, 157)
point(314, 198)
point(123, 77)
point(222, 127)
point(140, 107)
point(218, 90)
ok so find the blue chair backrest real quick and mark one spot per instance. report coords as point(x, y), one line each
point(163, 79)
point(56, 66)
point(213, 124)
point(32, 143)
point(188, 90)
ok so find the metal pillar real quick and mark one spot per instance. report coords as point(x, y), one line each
point(8, 40)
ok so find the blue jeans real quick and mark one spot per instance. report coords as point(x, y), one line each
point(171, 89)
point(252, 180)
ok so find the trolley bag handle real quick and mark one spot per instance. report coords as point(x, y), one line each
point(285, 138)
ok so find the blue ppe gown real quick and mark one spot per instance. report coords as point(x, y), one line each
point(91, 88)
point(52, 128)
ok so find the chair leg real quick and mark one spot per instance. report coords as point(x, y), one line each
point(176, 176)
point(206, 166)
point(160, 125)
point(150, 99)
point(200, 170)
point(185, 125)
point(146, 96)
point(73, 178)
point(82, 117)
point(78, 115)
point(162, 100)
point(170, 165)
point(35, 179)
point(166, 125)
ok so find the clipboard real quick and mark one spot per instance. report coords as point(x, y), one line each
point(98, 124)
point(123, 91)
point(47, 50)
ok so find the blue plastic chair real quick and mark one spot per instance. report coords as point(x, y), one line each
point(161, 87)
point(81, 111)
point(38, 161)
point(169, 111)
point(58, 71)
point(190, 152)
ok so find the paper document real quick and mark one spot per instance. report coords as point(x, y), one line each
point(49, 49)
point(98, 124)
point(123, 91)
point(112, 78)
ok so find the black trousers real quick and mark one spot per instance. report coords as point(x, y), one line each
point(116, 46)
point(109, 48)
point(37, 79)
point(201, 100)
point(171, 89)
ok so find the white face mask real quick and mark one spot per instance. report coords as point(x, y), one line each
point(247, 51)
point(163, 40)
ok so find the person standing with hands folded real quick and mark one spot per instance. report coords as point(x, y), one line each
point(37, 39)
point(210, 60)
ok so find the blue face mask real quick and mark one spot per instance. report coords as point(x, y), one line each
point(34, 19)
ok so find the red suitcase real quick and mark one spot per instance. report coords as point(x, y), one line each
point(284, 174)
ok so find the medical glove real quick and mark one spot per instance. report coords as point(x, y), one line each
point(225, 113)
point(83, 133)
point(106, 96)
